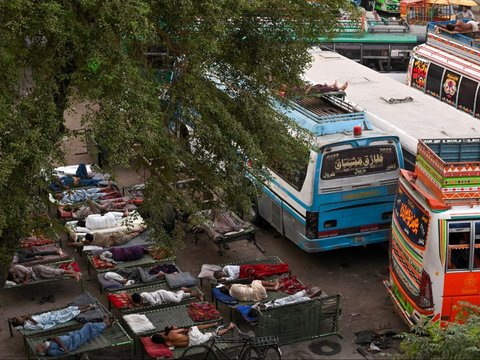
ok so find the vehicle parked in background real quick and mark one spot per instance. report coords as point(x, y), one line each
point(447, 67)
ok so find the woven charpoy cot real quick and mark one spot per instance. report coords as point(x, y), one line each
point(69, 264)
point(301, 321)
point(144, 269)
point(118, 298)
point(111, 337)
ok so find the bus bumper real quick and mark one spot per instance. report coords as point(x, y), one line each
point(338, 242)
point(398, 307)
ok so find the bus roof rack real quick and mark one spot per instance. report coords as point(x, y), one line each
point(450, 167)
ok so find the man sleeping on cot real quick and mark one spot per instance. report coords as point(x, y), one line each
point(64, 344)
point(49, 319)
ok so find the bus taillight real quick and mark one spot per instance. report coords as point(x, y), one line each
point(311, 225)
point(370, 227)
point(425, 296)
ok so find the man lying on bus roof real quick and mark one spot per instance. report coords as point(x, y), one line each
point(462, 27)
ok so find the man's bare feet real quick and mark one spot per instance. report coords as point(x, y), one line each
point(278, 285)
point(108, 321)
point(185, 289)
point(231, 326)
point(77, 276)
point(344, 86)
point(198, 295)
point(314, 291)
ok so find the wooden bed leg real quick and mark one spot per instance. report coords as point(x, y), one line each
point(10, 327)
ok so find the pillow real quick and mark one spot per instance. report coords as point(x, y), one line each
point(155, 350)
point(100, 264)
point(83, 299)
point(139, 323)
point(178, 280)
point(223, 298)
point(207, 270)
point(120, 300)
point(244, 310)
point(107, 284)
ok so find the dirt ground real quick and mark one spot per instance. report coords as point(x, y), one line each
point(355, 273)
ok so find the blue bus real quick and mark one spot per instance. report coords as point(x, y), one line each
point(342, 194)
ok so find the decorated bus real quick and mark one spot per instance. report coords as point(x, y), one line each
point(435, 247)
point(447, 67)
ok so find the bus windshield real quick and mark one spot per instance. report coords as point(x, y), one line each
point(359, 161)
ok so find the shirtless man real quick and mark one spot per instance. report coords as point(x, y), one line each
point(460, 26)
point(184, 337)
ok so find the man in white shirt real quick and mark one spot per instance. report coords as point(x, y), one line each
point(466, 13)
point(162, 296)
point(98, 221)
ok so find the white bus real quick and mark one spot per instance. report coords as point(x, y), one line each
point(391, 106)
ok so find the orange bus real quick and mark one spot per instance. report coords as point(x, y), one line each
point(435, 246)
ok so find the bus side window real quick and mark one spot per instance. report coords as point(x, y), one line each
point(476, 254)
point(459, 250)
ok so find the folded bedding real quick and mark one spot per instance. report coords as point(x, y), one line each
point(139, 323)
point(35, 241)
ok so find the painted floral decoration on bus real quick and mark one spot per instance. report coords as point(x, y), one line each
point(411, 218)
point(419, 73)
point(450, 86)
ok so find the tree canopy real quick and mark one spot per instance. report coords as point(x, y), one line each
point(147, 67)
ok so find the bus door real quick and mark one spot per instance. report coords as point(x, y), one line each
point(462, 277)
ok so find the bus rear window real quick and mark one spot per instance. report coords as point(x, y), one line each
point(434, 80)
point(411, 218)
point(358, 161)
point(466, 97)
